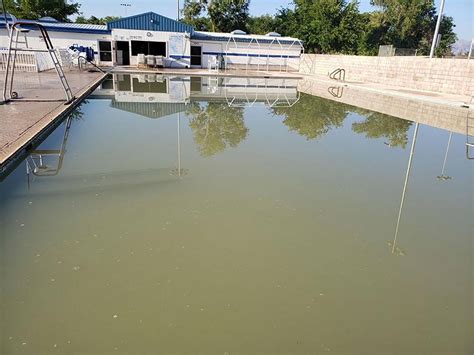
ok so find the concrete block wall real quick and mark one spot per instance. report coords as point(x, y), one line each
point(445, 117)
point(450, 76)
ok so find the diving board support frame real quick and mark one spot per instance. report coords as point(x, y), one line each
point(15, 30)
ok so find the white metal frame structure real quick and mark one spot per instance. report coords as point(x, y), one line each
point(8, 93)
point(265, 48)
point(282, 100)
point(37, 162)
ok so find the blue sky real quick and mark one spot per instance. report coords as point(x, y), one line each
point(461, 10)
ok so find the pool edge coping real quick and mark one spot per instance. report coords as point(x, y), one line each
point(46, 125)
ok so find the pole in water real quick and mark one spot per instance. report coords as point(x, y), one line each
point(405, 185)
point(443, 177)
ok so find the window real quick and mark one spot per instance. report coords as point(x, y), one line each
point(124, 83)
point(105, 51)
point(152, 48)
point(107, 84)
point(156, 87)
point(196, 83)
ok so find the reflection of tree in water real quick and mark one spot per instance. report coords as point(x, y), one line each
point(216, 126)
point(313, 116)
point(77, 114)
point(377, 125)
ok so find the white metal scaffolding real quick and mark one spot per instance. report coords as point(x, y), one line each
point(268, 53)
point(259, 92)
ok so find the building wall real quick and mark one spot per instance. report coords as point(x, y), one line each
point(177, 44)
point(259, 56)
point(60, 40)
point(451, 76)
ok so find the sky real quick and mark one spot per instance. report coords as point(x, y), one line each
point(461, 10)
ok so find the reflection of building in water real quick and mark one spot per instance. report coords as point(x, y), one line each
point(149, 94)
point(241, 91)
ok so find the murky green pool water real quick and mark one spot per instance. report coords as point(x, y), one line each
point(193, 216)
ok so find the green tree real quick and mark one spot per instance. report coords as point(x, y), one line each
point(216, 126)
point(312, 117)
point(224, 15)
point(192, 12)
point(325, 26)
point(95, 20)
point(261, 24)
point(409, 24)
point(448, 38)
point(35, 9)
point(378, 125)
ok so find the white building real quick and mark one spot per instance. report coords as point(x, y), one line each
point(119, 43)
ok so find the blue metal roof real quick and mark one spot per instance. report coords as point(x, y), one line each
point(150, 21)
point(63, 26)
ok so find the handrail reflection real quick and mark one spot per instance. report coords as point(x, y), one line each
point(36, 164)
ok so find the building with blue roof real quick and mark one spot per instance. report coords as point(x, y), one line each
point(124, 41)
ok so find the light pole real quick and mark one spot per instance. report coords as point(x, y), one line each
point(126, 6)
point(438, 23)
point(470, 49)
point(177, 15)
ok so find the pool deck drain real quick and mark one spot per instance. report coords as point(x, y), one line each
point(22, 122)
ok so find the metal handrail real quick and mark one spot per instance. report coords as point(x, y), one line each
point(338, 74)
point(336, 91)
point(90, 62)
point(41, 170)
point(469, 133)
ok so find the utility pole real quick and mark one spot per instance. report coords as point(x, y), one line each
point(177, 16)
point(438, 23)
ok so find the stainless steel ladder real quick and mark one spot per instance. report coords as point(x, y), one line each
point(339, 74)
point(470, 134)
point(8, 93)
point(36, 162)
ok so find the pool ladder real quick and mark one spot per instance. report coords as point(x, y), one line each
point(339, 74)
point(470, 133)
point(23, 28)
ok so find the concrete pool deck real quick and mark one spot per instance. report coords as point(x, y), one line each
point(21, 121)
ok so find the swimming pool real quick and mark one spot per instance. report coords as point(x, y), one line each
point(179, 215)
